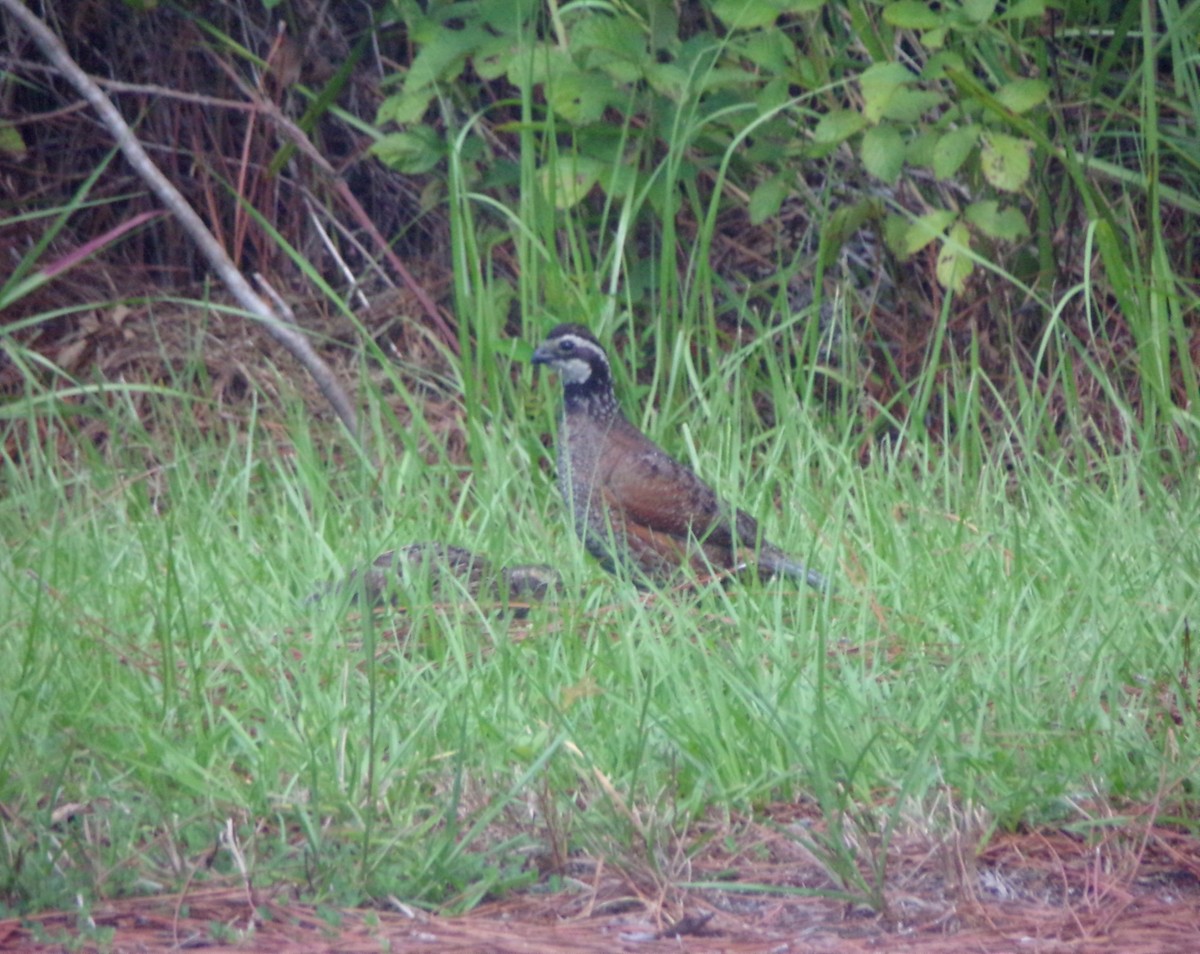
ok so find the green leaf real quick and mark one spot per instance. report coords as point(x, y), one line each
point(895, 234)
point(844, 223)
point(570, 179)
point(440, 60)
point(413, 152)
point(618, 35)
point(925, 229)
point(921, 148)
point(769, 49)
point(767, 198)
point(912, 15)
point(745, 14)
point(954, 265)
point(495, 56)
point(1005, 160)
point(578, 97)
point(404, 108)
point(1023, 95)
point(614, 44)
point(754, 14)
point(443, 57)
point(909, 105)
point(883, 152)
point(936, 66)
point(667, 79)
point(848, 219)
point(934, 39)
point(663, 25)
point(1115, 254)
point(979, 11)
point(507, 16)
point(879, 84)
point(1006, 225)
point(838, 126)
point(728, 77)
point(773, 94)
point(1024, 10)
point(11, 141)
point(953, 149)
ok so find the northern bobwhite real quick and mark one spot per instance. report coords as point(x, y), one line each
point(634, 507)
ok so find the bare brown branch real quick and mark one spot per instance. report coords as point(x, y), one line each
point(212, 250)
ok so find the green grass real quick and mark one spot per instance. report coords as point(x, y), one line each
point(172, 712)
point(1009, 640)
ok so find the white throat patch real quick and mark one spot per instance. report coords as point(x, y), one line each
point(573, 370)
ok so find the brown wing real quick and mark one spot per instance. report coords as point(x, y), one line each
point(664, 498)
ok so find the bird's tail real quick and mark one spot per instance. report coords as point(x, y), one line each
point(774, 562)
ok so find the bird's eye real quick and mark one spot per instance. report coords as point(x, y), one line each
point(566, 345)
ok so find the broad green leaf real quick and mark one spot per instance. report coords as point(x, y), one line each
point(921, 148)
point(663, 25)
point(767, 198)
point(1024, 94)
point(570, 179)
point(769, 49)
point(495, 56)
point(442, 58)
point(1007, 225)
point(507, 16)
point(1005, 160)
point(578, 97)
point(413, 152)
point(1025, 9)
point(883, 152)
point(953, 149)
point(838, 126)
point(808, 73)
point(934, 39)
point(925, 229)
point(879, 84)
point(936, 66)
point(745, 14)
point(667, 79)
point(613, 44)
point(772, 95)
point(912, 15)
point(542, 63)
point(405, 108)
point(620, 179)
point(979, 11)
point(909, 105)
point(615, 34)
point(954, 265)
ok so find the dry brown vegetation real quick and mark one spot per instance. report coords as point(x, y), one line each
point(1136, 890)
